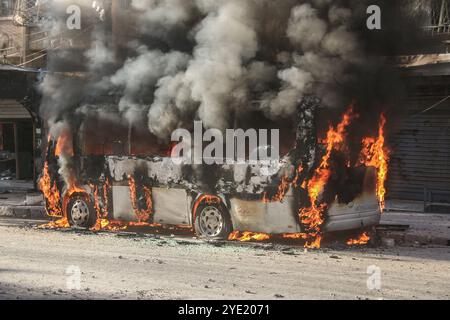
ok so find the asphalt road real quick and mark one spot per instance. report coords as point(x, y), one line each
point(47, 264)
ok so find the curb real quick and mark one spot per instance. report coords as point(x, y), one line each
point(23, 212)
point(414, 239)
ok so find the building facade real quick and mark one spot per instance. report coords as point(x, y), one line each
point(19, 121)
point(420, 141)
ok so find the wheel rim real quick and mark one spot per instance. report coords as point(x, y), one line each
point(80, 212)
point(211, 221)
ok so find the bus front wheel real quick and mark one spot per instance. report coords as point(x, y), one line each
point(80, 212)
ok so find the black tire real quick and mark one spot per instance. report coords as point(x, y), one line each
point(80, 212)
point(219, 226)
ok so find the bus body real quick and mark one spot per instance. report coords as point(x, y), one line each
point(120, 186)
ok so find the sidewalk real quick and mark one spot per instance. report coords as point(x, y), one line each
point(15, 186)
point(19, 200)
point(404, 206)
point(421, 228)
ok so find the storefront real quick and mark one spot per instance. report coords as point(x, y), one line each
point(420, 159)
point(16, 142)
point(19, 124)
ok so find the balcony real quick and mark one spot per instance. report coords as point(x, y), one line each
point(439, 18)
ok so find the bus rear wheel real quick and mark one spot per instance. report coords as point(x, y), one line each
point(80, 212)
point(212, 222)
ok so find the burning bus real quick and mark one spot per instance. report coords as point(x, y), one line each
point(225, 64)
point(101, 173)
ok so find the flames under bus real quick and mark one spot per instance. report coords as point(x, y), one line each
point(102, 169)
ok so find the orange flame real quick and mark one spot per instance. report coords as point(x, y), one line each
point(284, 186)
point(51, 193)
point(102, 224)
point(64, 145)
point(73, 188)
point(313, 216)
point(375, 154)
point(172, 145)
point(281, 193)
point(294, 236)
point(96, 201)
point(106, 188)
point(248, 236)
point(362, 240)
point(142, 215)
point(102, 216)
point(62, 223)
point(296, 180)
point(116, 225)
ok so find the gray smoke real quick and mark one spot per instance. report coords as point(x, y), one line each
point(324, 48)
point(224, 74)
point(139, 76)
point(160, 18)
point(226, 40)
point(213, 60)
point(100, 55)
